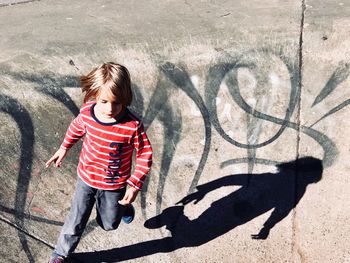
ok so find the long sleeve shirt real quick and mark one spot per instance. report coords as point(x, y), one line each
point(105, 160)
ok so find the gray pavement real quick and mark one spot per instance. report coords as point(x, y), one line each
point(229, 92)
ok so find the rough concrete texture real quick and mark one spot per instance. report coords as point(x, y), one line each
point(229, 91)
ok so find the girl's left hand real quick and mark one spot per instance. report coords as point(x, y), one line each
point(129, 196)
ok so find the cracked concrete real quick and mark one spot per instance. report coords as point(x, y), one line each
point(296, 249)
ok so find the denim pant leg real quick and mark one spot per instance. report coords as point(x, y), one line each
point(109, 211)
point(74, 225)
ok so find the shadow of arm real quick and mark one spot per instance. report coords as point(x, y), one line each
point(203, 189)
point(276, 216)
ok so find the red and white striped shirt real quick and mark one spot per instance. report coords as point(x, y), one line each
point(106, 156)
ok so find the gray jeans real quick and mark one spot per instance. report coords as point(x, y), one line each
point(109, 214)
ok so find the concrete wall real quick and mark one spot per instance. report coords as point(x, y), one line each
point(228, 92)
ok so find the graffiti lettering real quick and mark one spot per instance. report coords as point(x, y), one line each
point(160, 108)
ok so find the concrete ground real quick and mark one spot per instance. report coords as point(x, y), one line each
point(246, 106)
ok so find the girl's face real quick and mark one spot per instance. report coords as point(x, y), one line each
point(107, 105)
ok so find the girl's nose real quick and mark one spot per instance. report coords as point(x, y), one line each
point(109, 107)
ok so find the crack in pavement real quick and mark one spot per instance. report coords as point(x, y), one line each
point(295, 245)
point(11, 3)
point(7, 221)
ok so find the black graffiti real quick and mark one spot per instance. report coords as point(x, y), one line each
point(24, 123)
point(341, 73)
point(23, 120)
point(215, 77)
point(160, 108)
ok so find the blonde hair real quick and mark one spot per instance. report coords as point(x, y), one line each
point(112, 76)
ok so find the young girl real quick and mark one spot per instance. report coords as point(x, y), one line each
point(112, 133)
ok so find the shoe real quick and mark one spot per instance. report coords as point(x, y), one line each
point(56, 258)
point(129, 214)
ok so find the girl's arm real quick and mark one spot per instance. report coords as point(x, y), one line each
point(143, 164)
point(75, 131)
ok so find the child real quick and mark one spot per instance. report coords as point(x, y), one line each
point(112, 133)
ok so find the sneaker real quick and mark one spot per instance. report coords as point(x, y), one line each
point(129, 214)
point(56, 258)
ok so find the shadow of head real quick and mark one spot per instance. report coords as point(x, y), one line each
point(308, 169)
point(167, 218)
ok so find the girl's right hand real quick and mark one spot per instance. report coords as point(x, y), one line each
point(57, 158)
